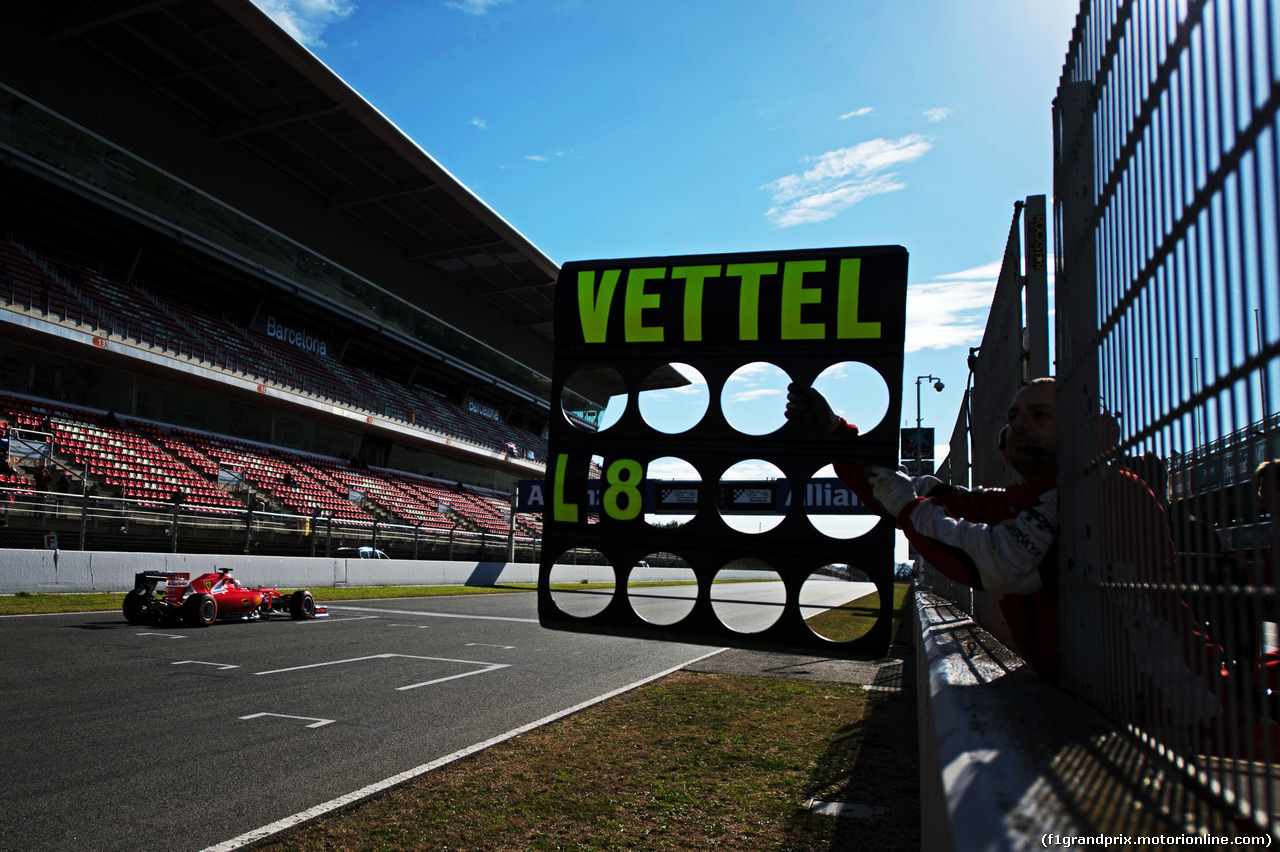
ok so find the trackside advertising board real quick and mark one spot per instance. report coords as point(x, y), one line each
point(630, 320)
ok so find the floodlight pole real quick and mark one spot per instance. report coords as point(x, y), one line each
point(936, 386)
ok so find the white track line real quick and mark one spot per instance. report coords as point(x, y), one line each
point(432, 614)
point(290, 822)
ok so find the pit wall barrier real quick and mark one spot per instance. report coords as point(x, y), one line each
point(72, 571)
point(1011, 762)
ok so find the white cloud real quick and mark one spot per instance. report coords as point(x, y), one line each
point(693, 374)
point(753, 395)
point(670, 467)
point(534, 158)
point(986, 272)
point(752, 469)
point(952, 309)
point(475, 7)
point(841, 178)
point(938, 113)
point(480, 123)
point(756, 371)
point(856, 112)
point(306, 20)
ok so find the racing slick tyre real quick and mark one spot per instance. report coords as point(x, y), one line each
point(302, 605)
point(200, 610)
point(137, 608)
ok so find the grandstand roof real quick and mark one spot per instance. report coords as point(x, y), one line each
point(230, 65)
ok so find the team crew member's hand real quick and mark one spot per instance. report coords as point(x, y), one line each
point(803, 400)
point(892, 489)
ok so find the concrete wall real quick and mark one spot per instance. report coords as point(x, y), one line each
point(990, 731)
point(1011, 762)
point(93, 571)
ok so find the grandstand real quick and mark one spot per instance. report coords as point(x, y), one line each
point(234, 297)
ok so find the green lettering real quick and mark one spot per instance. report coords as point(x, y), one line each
point(749, 296)
point(795, 295)
point(637, 302)
point(847, 325)
point(560, 510)
point(593, 307)
point(624, 477)
point(694, 279)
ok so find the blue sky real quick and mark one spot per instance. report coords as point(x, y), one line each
point(620, 129)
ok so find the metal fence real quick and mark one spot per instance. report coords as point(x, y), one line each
point(1167, 202)
point(45, 520)
point(1014, 350)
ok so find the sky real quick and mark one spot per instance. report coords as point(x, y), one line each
point(602, 129)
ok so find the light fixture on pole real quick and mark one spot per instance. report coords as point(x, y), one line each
point(938, 386)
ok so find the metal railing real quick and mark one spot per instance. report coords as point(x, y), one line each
point(31, 519)
point(1167, 188)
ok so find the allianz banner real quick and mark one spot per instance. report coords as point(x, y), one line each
point(670, 496)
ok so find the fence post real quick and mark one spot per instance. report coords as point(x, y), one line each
point(511, 532)
point(84, 507)
point(248, 528)
point(1079, 415)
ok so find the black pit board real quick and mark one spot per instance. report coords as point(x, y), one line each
point(802, 311)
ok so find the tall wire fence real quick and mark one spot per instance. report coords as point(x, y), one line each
point(1167, 202)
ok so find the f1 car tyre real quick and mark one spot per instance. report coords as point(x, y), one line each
point(302, 605)
point(200, 610)
point(137, 608)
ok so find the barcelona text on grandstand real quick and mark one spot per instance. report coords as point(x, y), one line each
point(1072, 841)
point(301, 339)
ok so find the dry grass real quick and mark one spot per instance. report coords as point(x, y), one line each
point(693, 761)
point(851, 620)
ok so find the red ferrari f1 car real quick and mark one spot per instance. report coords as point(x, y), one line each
point(207, 598)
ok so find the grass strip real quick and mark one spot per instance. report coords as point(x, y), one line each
point(851, 620)
point(692, 761)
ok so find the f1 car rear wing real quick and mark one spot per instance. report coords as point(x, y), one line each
point(145, 582)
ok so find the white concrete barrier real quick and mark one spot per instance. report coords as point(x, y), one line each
point(992, 735)
point(102, 571)
point(93, 571)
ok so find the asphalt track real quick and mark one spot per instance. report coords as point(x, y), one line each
point(122, 737)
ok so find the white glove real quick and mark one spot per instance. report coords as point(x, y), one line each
point(891, 488)
point(802, 400)
point(925, 484)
